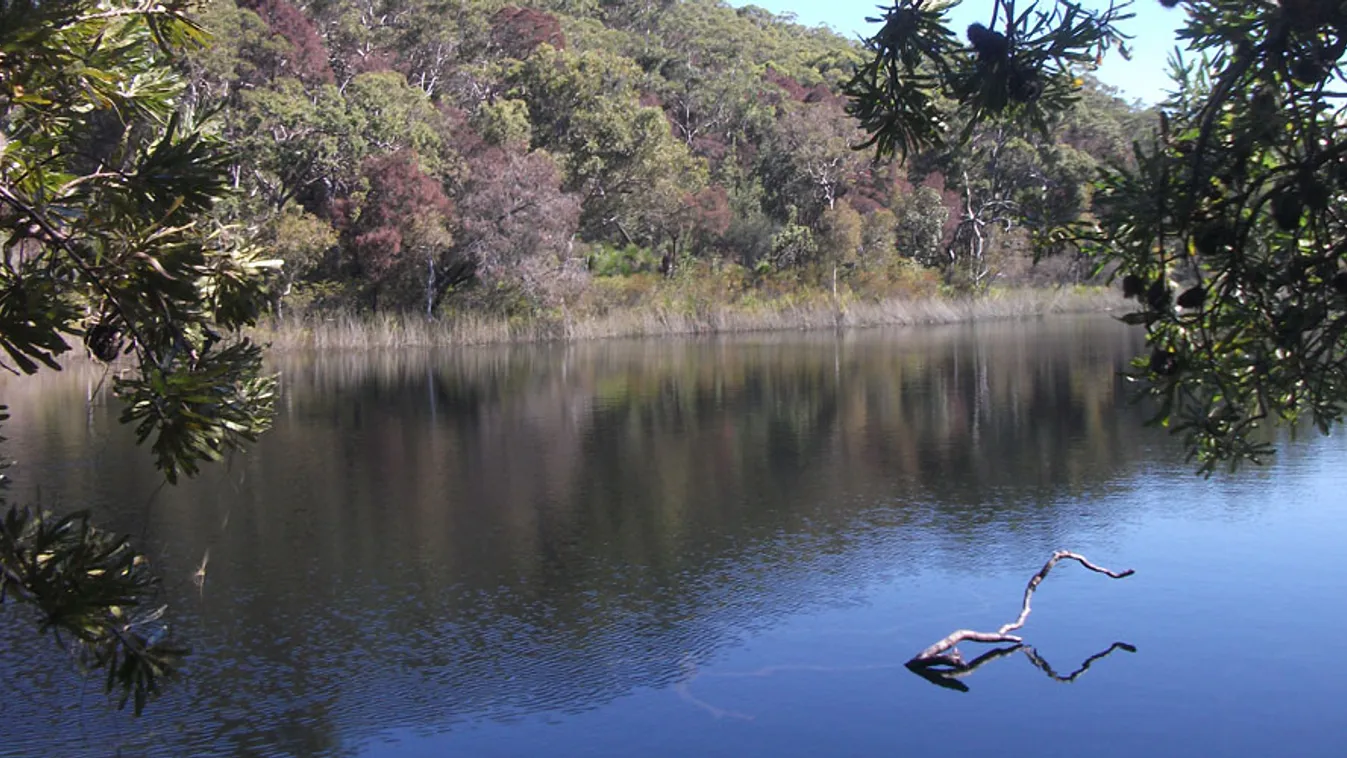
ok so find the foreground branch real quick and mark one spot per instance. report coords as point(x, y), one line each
point(943, 653)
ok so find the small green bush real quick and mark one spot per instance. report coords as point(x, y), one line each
point(613, 260)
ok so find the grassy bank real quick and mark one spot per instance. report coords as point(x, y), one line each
point(358, 331)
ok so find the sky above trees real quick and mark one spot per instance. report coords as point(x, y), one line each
point(1145, 77)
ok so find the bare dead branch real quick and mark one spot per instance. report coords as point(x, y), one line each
point(936, 653)
point(943, 653)
point(1043, 573)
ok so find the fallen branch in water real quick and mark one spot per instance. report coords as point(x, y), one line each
point(949, 677)
point(944, 652)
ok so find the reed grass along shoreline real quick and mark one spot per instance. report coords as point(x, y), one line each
point(353, 331)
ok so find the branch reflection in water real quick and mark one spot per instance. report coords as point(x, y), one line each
point(949, 675)
point(940, 674)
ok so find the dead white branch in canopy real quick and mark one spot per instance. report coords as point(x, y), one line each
point(943, 653)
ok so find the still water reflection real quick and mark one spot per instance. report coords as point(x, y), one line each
point(704, 548)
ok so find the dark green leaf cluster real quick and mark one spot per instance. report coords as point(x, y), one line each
point(894, 93)
point(1026, 67)
point(1229, 230)
point(89, 588)
point(197, 414)
point(104, 181)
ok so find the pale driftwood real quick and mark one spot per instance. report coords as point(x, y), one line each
point(943, 653)
point(936, 654)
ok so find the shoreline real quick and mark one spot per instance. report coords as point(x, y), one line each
point(349, 331)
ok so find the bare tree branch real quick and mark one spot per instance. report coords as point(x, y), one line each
point(949, 677)
point(943, 653)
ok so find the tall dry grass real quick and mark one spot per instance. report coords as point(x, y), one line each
point(347, 331)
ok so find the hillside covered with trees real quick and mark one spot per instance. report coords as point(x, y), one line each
point(453, 156)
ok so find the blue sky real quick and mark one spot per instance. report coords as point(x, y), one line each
point(1144, 77)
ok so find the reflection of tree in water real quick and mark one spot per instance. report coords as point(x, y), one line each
point(428, 537)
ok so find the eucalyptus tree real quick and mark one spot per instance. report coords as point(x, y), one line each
point(1226, 224)
point(620, 156)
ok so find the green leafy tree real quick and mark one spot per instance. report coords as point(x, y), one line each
point(810, 162)
point(435, 37)
point(559, 84)
point(359, 34)
point(879, 237)
point(706, 74)
point(243, 52)
point(303, 242)
point(1227, 225)
point(393, 115)
point(103, 189)
point(921, 219)
point(504, 122)
point(299, 145)
point(1010, 185)
point(633, 175)
point(840, 234)
point(793, 246)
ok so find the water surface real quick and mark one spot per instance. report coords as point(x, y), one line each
point(703, 548)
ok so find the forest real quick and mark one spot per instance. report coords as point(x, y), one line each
point(477, 157)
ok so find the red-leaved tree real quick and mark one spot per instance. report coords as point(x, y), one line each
point(517, 31)
point(401, 239)
point(707, 218)
point(307, 60)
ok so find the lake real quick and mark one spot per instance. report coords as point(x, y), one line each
point(705, 547)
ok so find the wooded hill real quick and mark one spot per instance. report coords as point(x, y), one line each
point(473, 154)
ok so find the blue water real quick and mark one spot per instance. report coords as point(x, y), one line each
point(707, 548)
point(1233, 613)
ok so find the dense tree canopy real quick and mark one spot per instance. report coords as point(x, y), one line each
point(686, 132)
